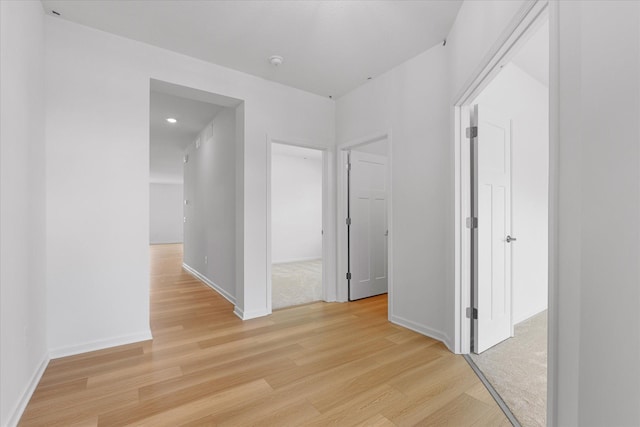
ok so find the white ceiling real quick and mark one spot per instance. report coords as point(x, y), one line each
point(533, 57)
point(329, 47)
point(167, 142)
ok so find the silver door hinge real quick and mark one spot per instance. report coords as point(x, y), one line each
point(472, 132)
point(348, 166)
point(472, 222)
point(472, 313)
point(348, 276)
point(348, 221)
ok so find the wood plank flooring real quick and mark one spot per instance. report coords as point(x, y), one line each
point(314, 365)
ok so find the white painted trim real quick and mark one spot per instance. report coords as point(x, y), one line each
point(506, 44)
point(19, 408)
point(554, 138)
point(422, 329)
point(505, 47)
point(269, 226)
point(287, 261)
point(528, 316)
point(100, 344)
point(341, 281)
point(342, 291)
point(209, 283)
point(251, 314)
point(328, 225)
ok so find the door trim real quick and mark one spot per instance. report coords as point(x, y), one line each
point(341, 150)
point(531, 14)
point(328, 223)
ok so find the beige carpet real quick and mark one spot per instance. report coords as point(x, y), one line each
point(295, 283)
point(517, 369)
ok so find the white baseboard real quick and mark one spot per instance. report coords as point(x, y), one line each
point(100, 344)
point(286, 261)
point(17, 412)
point(529, 315)
point(424, 330)
point(250, 314)
point(209, 283)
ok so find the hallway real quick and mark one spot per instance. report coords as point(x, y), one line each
point(318, 364)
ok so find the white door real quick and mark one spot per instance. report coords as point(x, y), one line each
point(492, 207)
point(368, 230)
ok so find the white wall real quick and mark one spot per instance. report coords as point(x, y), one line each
point(296, 208)
point(598, 205)
point(411, 100)
point(165, 213)
point(525, 100)
point(415, 101)
point(23, 328)
point(598, 248)
point(210, 191)
point(97, 176)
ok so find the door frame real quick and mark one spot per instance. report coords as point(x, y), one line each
point(530, 15)
point(328, 224)
point(341, 248)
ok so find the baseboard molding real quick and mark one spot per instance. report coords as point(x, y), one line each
point(287, 261)
point(209, 283)
point(529, 316)
point(424, 330)
point(250, 314)
point(100, 344)
point(17, 412)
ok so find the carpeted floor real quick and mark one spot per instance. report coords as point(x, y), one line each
point(295, 283)
point(517, 369)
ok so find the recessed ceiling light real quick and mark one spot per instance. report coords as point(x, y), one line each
point(172, 120)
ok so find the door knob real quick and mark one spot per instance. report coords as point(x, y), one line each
point(511, 239)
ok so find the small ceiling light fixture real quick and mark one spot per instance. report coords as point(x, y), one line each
point(172, 120)
point(276, 60)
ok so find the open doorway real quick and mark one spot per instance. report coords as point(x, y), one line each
point(365, 204)
point(174, 123)
point(193, 159)
point(296, 225)
point(508, 213)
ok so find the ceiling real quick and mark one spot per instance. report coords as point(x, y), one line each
point(168, 141)
point(329, 47)
point(533, 57)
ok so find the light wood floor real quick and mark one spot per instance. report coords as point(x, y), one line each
point(314, 365)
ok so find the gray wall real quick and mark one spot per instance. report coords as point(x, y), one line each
point(165, 213)
point(23, 353)
point(210, 191)
point(597, 201)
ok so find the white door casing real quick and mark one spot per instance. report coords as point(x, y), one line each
point(492, 207)
point(368, 231)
